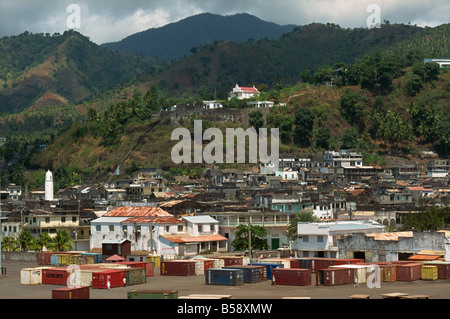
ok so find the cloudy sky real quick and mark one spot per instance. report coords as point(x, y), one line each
point(112, 20)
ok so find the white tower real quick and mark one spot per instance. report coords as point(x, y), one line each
point(49, 186)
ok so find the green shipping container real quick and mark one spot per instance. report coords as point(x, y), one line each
point(153, 294)
point(135, 276)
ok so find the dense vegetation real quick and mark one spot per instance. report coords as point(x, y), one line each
point(182, 38)
point(42, 69)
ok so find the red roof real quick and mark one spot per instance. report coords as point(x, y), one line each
point(136, 212)
point(155, 220)
point(249, 89)
point(184, 238)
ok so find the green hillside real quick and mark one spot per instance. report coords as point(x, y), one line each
point(40, 70)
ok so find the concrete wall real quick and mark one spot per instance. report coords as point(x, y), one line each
point(19, 256)
point(388, 250)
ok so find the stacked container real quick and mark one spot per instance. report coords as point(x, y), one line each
point(336, 276)
point(429, 272)
point(178, 268)
point(222, 276)
point(409, 272)
point(292, 276)
point(252, 274)
point(232, 260)
point(71, 293)
point(100, 279)
point(153, 294)
point(269, 268)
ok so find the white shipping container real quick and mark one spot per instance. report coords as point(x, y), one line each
point(31, 276)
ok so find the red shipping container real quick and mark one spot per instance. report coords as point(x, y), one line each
point(336, 276)
point(409, 272)
point(347, 261)
point(443, 269)
point(100, 279)
point(178, 268)
point(44, 258)
point(322, 263)
point(208, 263)
point(149, 267)
point(71, 293)
point(55, 276)
point(292, 276)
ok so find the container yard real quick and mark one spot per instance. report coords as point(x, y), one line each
point(236, 276)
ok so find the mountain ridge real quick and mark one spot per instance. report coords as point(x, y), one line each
point(196, 30)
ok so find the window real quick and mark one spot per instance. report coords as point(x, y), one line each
point(180, 228)
point(167, 228)
point(320, 239)
point(63, 219)
point(124, 228)
point(305, 239)
point(47, 219)
point(98, 227)
point(111, 227)
point(74, 219)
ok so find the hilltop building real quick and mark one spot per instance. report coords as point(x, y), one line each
point(242, 93)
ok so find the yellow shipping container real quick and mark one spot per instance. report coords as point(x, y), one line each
point(156, 260)
point(429, 272)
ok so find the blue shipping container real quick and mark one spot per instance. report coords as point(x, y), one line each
point(54, 259)
point(269, 268)
point(221, 276)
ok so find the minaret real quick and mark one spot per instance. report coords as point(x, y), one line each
point(49, 186)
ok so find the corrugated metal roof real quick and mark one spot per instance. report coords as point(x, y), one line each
point(390, 236)
point(186, 238)
point(423, 257)
point(171, 203)
point(109, 220)
point(155, 220)
point(200, 219)
point(136, 212)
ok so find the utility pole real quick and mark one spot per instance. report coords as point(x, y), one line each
point(151, 234)
point(249, 238)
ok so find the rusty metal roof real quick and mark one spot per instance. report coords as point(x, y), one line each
point(390, 236)
point(136, 212)
point(186, 238)
point(155, 220)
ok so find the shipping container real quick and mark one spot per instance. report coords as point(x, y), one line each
point(83, 276)
point(429, 272)
point(55, 276)
point(156, 260)
point(348, 261)
point(285, 262)
point(269, 268)
point(222, 276)
point(292, 276)
point(305, 262)
point(98, 258)
point(71, 293)
point(252, 274)
point(409, 272)
point(135, 276)
point(148, 266)
point(443, 268)
point(44, 258)
point(335, 276)
point(153, 294)
point(360, 272)
point(388, 272)
point(115, 277)
point(232, 260)
point(178, 268)
point(31, 276)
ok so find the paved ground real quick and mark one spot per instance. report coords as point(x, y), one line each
point(10, 288)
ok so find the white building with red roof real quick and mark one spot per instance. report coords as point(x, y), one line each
point(153, 230)
point(241, 92)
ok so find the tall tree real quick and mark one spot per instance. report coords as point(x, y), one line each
point(304, 123)
point(241, 241)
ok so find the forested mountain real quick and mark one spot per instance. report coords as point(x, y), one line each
point(42, 69)
point(177, 39)
point(220, 65)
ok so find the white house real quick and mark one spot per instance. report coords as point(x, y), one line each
point(242, 93)
point(14, 191)
point(211, 105)
point(343, 158)
point(153, 230)
point(319, 239)
point(443, 63)
point(260, 104)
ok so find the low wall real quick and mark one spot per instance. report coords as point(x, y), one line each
point(19, 256)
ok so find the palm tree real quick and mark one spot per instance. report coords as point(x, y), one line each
point(41, 242)
point(9, 243)
point(61, 242)
point(25, 241)
point(302, 216)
